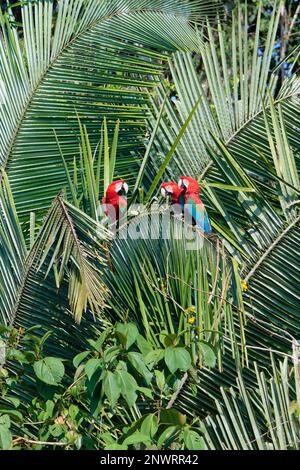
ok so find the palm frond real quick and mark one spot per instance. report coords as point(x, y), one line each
point(234, 90)
point(91, 170)
point(259, 153)
point(28, 295)
point(284, 161)
point(159, 282)
point(72, 243)
point(70, 249)
point(100, 61)
point(12, 251)
point(262, 419)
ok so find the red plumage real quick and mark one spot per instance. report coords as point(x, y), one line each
point(189, 186)
point(171, 189)
point(191, 191)
point(114, 203)
point(193, 206)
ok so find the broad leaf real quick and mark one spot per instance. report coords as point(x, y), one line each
point(49, 370)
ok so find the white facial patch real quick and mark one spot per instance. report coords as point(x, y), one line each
point(163, 192)
point(119, 186)
point(125, 186)
point(180, 183)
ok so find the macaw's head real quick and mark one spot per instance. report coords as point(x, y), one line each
point(116, 188)
point(171, 189)
point(188, 184)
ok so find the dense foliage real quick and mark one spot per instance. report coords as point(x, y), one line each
point(117, 373)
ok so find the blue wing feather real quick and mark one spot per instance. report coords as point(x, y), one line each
point(199, 215)
point(181, 200)
point(207, 226)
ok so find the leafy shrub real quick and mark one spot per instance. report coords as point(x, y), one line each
point(116, 394)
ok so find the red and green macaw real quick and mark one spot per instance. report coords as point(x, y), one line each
point(172, 189)
point(193, 204)
point(115, 204)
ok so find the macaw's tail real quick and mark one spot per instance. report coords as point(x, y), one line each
point(206, 224)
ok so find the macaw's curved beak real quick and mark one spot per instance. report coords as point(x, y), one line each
point(163, 192)
point(123, 189)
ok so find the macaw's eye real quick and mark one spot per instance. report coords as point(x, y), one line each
point(163, 192)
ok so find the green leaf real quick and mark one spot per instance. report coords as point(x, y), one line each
point(16, 355)
point(5, 438)
point(92, 366)
point(177, 358)
point(57, 430)
point(99, 342)
point(160, 379)
point(49, 409)
point(74, 412)
point(166, 435)
point(129, 331)
point(5, 420)
point(146, 391)
point(93, 382)
point(116, 446)
point(110, 354)
point(111, 387)
point(153, 357)
point(143, 345)
point(15, 414)
point(149, 425)
point(106, 162)
point(113, 153)
point(137, 361)
point(4, 329)
point(137, 438)
point(209, 355)
point(128, 386)
point(107, 438)
point(193, 441)
point(80, 357)
point(49, 370)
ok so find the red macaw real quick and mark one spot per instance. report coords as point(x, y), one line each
point(114, 203)
point(193, 204)
point(172, 189)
